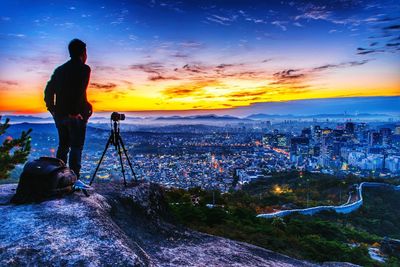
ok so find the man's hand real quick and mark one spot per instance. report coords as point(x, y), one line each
point(78, 116)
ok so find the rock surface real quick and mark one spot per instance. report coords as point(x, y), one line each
point(116, 226)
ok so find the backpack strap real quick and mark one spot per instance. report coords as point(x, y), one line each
point(53, 160)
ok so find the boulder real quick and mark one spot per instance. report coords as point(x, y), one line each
point(115, 225)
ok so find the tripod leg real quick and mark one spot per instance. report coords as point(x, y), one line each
point(126, 155)
point(118, 147)
point(101, 159)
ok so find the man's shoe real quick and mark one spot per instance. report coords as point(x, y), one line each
point(81, 186)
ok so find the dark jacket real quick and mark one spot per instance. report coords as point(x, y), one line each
point(68, 86)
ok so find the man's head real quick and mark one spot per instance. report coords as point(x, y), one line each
point(77, 50)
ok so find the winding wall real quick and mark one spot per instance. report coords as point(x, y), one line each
point(345, 208)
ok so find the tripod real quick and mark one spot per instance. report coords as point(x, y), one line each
point(115, 139)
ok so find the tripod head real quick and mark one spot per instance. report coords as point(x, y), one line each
point(115, 116)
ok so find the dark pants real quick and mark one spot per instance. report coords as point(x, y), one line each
point(71, 138)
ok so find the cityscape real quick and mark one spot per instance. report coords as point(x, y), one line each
point(212, 157)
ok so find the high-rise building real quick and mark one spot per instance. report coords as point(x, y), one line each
point(375, 138)
point(397, 130)
point(306, 132)
point(316, 151)
point(350, 126)
point(317, 131)
point(282, 140)
point(386, 134)
point(295, 141)
point(268, 139)
point(326, 131)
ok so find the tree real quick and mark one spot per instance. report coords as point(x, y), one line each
point(13, 151)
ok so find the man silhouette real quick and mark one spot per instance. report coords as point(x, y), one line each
point(65, 97)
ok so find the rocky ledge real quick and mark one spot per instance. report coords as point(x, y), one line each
point(116, 226)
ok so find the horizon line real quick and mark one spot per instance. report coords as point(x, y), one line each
point(215, 109)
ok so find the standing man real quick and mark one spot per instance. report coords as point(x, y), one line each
point(65, 97)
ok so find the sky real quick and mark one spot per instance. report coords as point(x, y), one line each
point(201, 55)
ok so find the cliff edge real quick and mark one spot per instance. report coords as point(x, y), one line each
point(116, 226)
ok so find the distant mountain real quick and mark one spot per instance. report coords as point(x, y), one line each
point(47, 128)
point(25, 118)
point(36, 128)
point(262, 116)
point(210, 117)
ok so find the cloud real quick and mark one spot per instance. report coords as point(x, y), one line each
point(222, 20)
point(369, 52)
point(256, 21)
point(365, 51)
point(297, 24)
point(194, 68)
point(392, 27)
point(67, 25)
point(180, 55)
point(107, 87)
point(118, 95)
point(288, 75)
point(151, 67)
point(247, 93)
point(174, 6)
point(266, 60)
point(17, 35)
point(196, 88)
point(388, 40)
point(103, 68)
point(191, 44)
point(341, 13)
point(119, 17)
point(223, 66)
point(280, 24)
point(295, 78)
point(199, 71)
point(267, 92)
point(342, 65)
point(392, 44)
point(315, 14)
point(9, 83)
point(162, 78)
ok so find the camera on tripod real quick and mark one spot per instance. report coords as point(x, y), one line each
point(115, 139)
point(115, 116)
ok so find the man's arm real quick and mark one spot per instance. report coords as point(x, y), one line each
point(49, 93)
point(81, 100)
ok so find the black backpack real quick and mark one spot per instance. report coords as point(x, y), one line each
point(42, 179)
